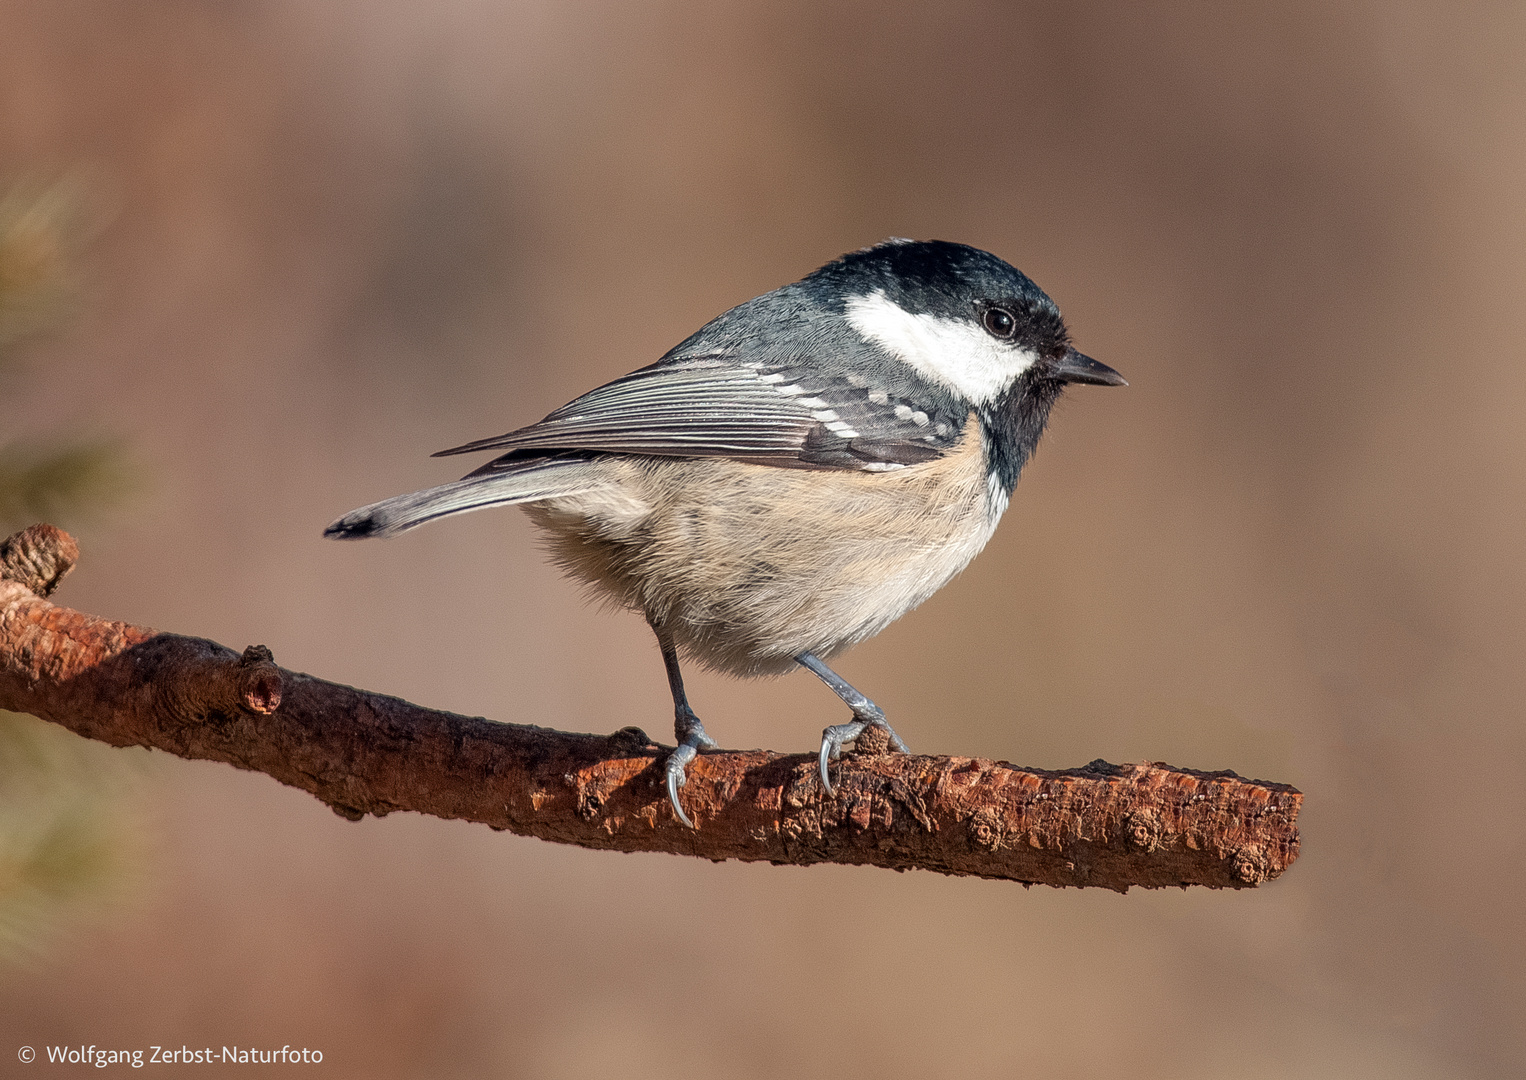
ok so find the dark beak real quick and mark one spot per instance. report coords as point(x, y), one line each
point(1078, 367)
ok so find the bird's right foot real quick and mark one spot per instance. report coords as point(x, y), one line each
point(691, 740)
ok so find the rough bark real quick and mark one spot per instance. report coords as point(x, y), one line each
point(362, 753)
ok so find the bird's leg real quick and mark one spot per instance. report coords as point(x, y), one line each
point(687, 729)
point(865, 713)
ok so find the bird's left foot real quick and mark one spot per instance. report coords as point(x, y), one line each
point(866, 714)
point(691, 740)
point(834, 738)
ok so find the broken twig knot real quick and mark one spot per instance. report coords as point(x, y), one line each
point(38, 558)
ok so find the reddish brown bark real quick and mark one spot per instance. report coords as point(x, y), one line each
point(362, 753)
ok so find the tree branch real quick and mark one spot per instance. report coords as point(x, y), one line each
point(362, 753)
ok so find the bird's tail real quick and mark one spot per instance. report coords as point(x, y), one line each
point(527, 483)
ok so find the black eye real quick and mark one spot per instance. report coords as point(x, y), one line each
point(998, 322)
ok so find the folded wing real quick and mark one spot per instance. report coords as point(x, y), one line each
point(715, 406)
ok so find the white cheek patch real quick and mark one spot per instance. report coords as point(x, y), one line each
point(955, 353)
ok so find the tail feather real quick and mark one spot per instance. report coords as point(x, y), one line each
point(541, 480)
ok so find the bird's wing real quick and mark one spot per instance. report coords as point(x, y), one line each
point(717, 406)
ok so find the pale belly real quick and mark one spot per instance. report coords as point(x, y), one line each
point(748, 565)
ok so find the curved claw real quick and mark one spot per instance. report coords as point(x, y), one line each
point(677, 778)
point(832, 740)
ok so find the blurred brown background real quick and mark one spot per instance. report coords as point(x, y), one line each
point(343, 235)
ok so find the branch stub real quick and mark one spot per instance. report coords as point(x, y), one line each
point(38, 558)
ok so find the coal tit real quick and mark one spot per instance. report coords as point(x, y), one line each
point(798, 474)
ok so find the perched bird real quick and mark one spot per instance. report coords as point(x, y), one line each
point(798, 474)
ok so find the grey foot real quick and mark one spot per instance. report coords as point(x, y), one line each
point(834, 738)
point(865, 714)
point(691, 740)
